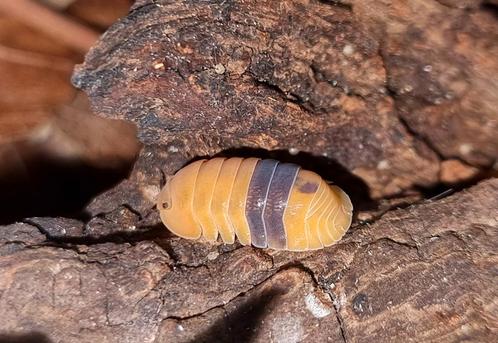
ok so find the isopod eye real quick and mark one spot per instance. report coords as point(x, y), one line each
point(164, 201)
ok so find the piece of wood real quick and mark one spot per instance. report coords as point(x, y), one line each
point(423, 273)
point(304, 76)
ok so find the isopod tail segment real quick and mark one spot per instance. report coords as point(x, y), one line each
point(262, 202)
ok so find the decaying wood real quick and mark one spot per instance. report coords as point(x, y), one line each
point(373, 95)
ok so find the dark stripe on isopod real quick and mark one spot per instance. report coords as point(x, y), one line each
point(276, 202)
point(256, 200)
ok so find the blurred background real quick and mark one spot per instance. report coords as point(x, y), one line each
point(55, 154)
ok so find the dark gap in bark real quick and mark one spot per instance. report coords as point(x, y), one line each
point(442, 190)
point(29, 337)
point(240, 325)
point(44, 185)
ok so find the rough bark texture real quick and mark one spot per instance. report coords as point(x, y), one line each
point(379, 96)
point(424, 273)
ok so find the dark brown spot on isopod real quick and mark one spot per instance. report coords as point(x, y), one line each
point(308, 187)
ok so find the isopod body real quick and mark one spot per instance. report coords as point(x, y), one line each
point(262, 202)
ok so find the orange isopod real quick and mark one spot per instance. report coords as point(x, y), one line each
point(263, 202)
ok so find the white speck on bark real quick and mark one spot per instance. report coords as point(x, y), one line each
point(317, 308)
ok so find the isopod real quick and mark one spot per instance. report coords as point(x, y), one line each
point(262, 202)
